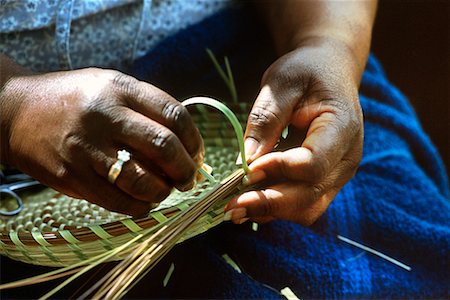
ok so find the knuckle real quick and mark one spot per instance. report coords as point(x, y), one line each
point(62, 173)
point(166, 147)
point(125, 84)
point(267, 207)
point(73, 143)
point(119, 121)
point(347, 113)
point(180, 122)
point(338, 103)
point(164, 144)
point(317, 190)
point(319, 169)
point(176, 114)
point(77, 146)
point(96, 110)
point(281, 74)
point(263, 117)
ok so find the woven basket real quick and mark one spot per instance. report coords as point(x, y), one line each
point(57, 230)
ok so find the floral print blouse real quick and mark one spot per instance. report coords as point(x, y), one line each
point(49, 35)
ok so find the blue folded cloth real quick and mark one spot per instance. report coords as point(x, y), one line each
point(397, 203)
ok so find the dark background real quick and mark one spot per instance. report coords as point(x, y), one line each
point(412, 38)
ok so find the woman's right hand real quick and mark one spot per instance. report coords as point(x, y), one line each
point(65, 129)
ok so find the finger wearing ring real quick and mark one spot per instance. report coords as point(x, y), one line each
point(122, 157)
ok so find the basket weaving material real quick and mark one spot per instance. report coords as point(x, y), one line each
point(57, 230)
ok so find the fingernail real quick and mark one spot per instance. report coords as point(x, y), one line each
point(189, 186)
point(207, 168)
point(253, 177)
point(243, 220)
point(239, 159)
point(235, 214)
point(251, 145)
point(227, 215)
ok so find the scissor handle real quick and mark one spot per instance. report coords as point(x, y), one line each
point(18, 200)
point(22, 184)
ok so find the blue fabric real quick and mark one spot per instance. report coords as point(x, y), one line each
point(398, 202)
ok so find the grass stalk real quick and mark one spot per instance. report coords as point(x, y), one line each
point(227, 77)
point(89, 267)
point(143, 259)
point(231, 117)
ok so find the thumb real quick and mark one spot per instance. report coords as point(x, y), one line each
point(270, 114)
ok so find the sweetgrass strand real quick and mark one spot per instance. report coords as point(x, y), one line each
point(227, 78)
point(87, 268)
point(110, 276)
point(229, 81)
point(101, 258)
point(54, 274)
point(68, 270)
point(208, 176)
point(217, 65)
point(231, 117)
point(39, 278)
point(141, 261)
point(231, 85)
point(109, 282)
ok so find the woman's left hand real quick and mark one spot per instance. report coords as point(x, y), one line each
point(315, 90)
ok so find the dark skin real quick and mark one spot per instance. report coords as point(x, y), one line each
point(79, 119)
point(78, 126)
point(313, 86)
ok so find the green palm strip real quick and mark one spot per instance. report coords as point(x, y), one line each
point(231, 117)
point(100, 232)
point(130, 224)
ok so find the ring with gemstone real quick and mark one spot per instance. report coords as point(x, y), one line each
point(122, 157)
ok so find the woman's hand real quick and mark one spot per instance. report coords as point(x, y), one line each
point(65, 129)
point(313, 89)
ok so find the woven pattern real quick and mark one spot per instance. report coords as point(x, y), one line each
point(57, 230)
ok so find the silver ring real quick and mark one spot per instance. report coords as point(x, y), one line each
point(122, 157)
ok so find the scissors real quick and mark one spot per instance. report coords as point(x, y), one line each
point(13, 184)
